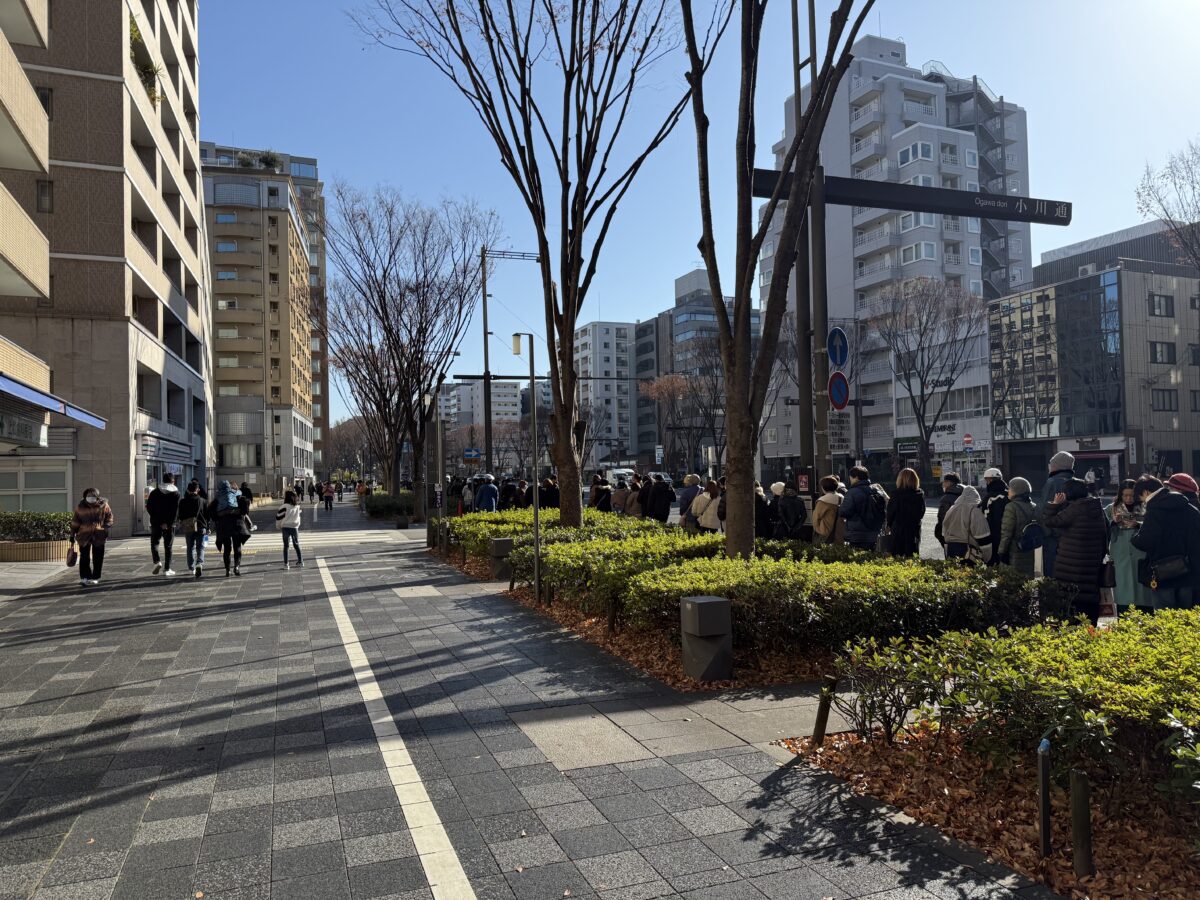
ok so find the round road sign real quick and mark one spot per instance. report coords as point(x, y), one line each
point(839, 391)
point(838, 346)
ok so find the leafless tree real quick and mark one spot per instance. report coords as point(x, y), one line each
point(704, 393)
point(668, 394)
point(514, 442)
point(413, 271)
point(370, 377)
point(556, 87)
point(747, 378)
point(344, 445)
point(931, 331)
point(1172, 194)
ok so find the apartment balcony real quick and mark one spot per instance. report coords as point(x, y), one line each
point(953, 261)
point(864, 215)
point(914, 111)
point(239, 373)
point(951, 225)
point(26, 21)
point(867, 149)
point(237, 229)
point(248, 315)
point(951, 159)
point(875, 239)
point(238, 286)
point(239, 258)
point(24, 251)
point(876, 273)
point(866, 118)
point(880, 171)
point(862, 89)
point(875, 372)
point(24, 127)
point(238, 344)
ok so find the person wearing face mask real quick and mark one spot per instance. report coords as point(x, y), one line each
point(90, 525)
point(163, 507)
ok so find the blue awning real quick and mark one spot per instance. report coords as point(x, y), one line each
point(44, 400)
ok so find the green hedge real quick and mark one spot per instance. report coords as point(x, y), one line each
point(474, 531)
point(609, 528)
point(789, 604)
point(1113, 700)
point(34, 526)
point(385, 506)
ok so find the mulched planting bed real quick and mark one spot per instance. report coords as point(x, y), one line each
point(656, 655)
point(1142, 847)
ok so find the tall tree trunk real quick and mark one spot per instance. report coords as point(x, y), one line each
point(420, 501)
point(562, 451)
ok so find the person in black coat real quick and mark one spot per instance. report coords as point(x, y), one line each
point(660, 496)
point(232, 527)
point(548, 495)
point(789, 512)
point(951, 491)
point(1082, 543)
point(1171, 528)
point(508, 495)
point(995, 498)
point(604, 492)
point(765, 521)
point(905, 508)
point(644, 496)
point(163, 507)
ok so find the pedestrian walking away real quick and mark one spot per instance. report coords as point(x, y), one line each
point(965, 529)
point(487, 497)
point(163, 508)
point(765, 512)
point(789, 512)
point(995, 498)
point(828, 526)
point(468, 498)
point(951, 491)
point(193, 523)
point(287, 518)
point(905, 509)
point(644, 497)
point(1170, 538)
point(864, 509)
point(90, 525)
point(341, 489)
point(229, 512)
point(1125, 516)
point(662, 495)
point(1019, 514)
point(691, 490)
point(1078, 519)
point(633, 504)
point(1062, 470)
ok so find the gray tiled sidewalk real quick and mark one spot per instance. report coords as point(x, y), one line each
point(167, 738)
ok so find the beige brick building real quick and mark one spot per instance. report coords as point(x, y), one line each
point(262, 322)
point(36, 470)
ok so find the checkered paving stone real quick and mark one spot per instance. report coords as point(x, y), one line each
point(172, 738)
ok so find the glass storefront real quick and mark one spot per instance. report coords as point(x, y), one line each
point(41, 485)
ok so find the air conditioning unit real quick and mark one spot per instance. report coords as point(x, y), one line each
point(1089, 269)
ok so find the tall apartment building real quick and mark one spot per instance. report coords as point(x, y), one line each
point(262, 322)
point(311, 190)
point(927, 127)
point(607, 389)
point(1100, 358)
point(653, 345)
point(125, 323)
point(467, 404)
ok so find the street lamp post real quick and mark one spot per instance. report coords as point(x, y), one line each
point(537, 533)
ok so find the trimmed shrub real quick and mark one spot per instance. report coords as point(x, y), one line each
point(788, 603)
point(34, 526)
point(474, 531)
point(610, 528)
point(385, 506)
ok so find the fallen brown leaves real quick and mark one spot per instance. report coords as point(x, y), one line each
point(1143, 849)
point(656, 654)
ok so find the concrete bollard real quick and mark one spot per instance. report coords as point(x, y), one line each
point(501, 567)
point(707, 627)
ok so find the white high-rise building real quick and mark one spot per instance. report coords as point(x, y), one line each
point(608, 388)
point(893, 122)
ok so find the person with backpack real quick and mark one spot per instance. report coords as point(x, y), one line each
point(288, 519)
point(788, 512)
point(229, 510)
point(1017, 542)
point(864, 508)
point(163, 508)
point(194, 525)
point(951, 491)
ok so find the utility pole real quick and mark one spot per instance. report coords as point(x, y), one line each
point(820, 324)
point(484, 253)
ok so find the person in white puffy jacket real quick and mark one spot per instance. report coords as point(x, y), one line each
point(288, 520)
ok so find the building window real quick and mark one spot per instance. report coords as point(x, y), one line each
point(972, 161)
point(226, 275)
point(919, 150)
point(974, 256)
point(1162, 306)
point(227, 304)
point(976, 287)
point(1195, 401)
point(919, 250)
point(228, 390)
point(1194, 350)
point(1164, 400)
point(227, 246)
point(1162, 352)
point(227, 332)
point(1194, 301)
point(973, 226)
point(921, 180)
point(226, 218)
point(772, 435)
point(227, 362)
point(1014, 275)
point(909, 221)
point(45, 196)
point(46, 96)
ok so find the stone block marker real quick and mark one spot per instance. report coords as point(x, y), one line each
point(501, 567)
point(706, 624)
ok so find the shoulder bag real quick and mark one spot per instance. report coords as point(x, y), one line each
point(72, 554)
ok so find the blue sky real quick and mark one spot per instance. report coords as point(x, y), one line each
point(1108, 86)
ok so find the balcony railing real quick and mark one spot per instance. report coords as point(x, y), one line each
point(913, 108)
point(864, 111)
point(879, 170)
point(954, 259)
point(951, 225)
point(868, 237)
point(950, 159)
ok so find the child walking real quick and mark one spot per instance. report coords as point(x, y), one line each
point(288, 520)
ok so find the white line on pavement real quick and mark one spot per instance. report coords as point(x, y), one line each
point(443, 870)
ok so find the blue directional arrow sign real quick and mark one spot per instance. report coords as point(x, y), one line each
point(838, 346)
point(839, 391)
point(472, 453)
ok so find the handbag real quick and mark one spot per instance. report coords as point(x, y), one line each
point(1169, 568)
point(72, 554)
point(1108, 573)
